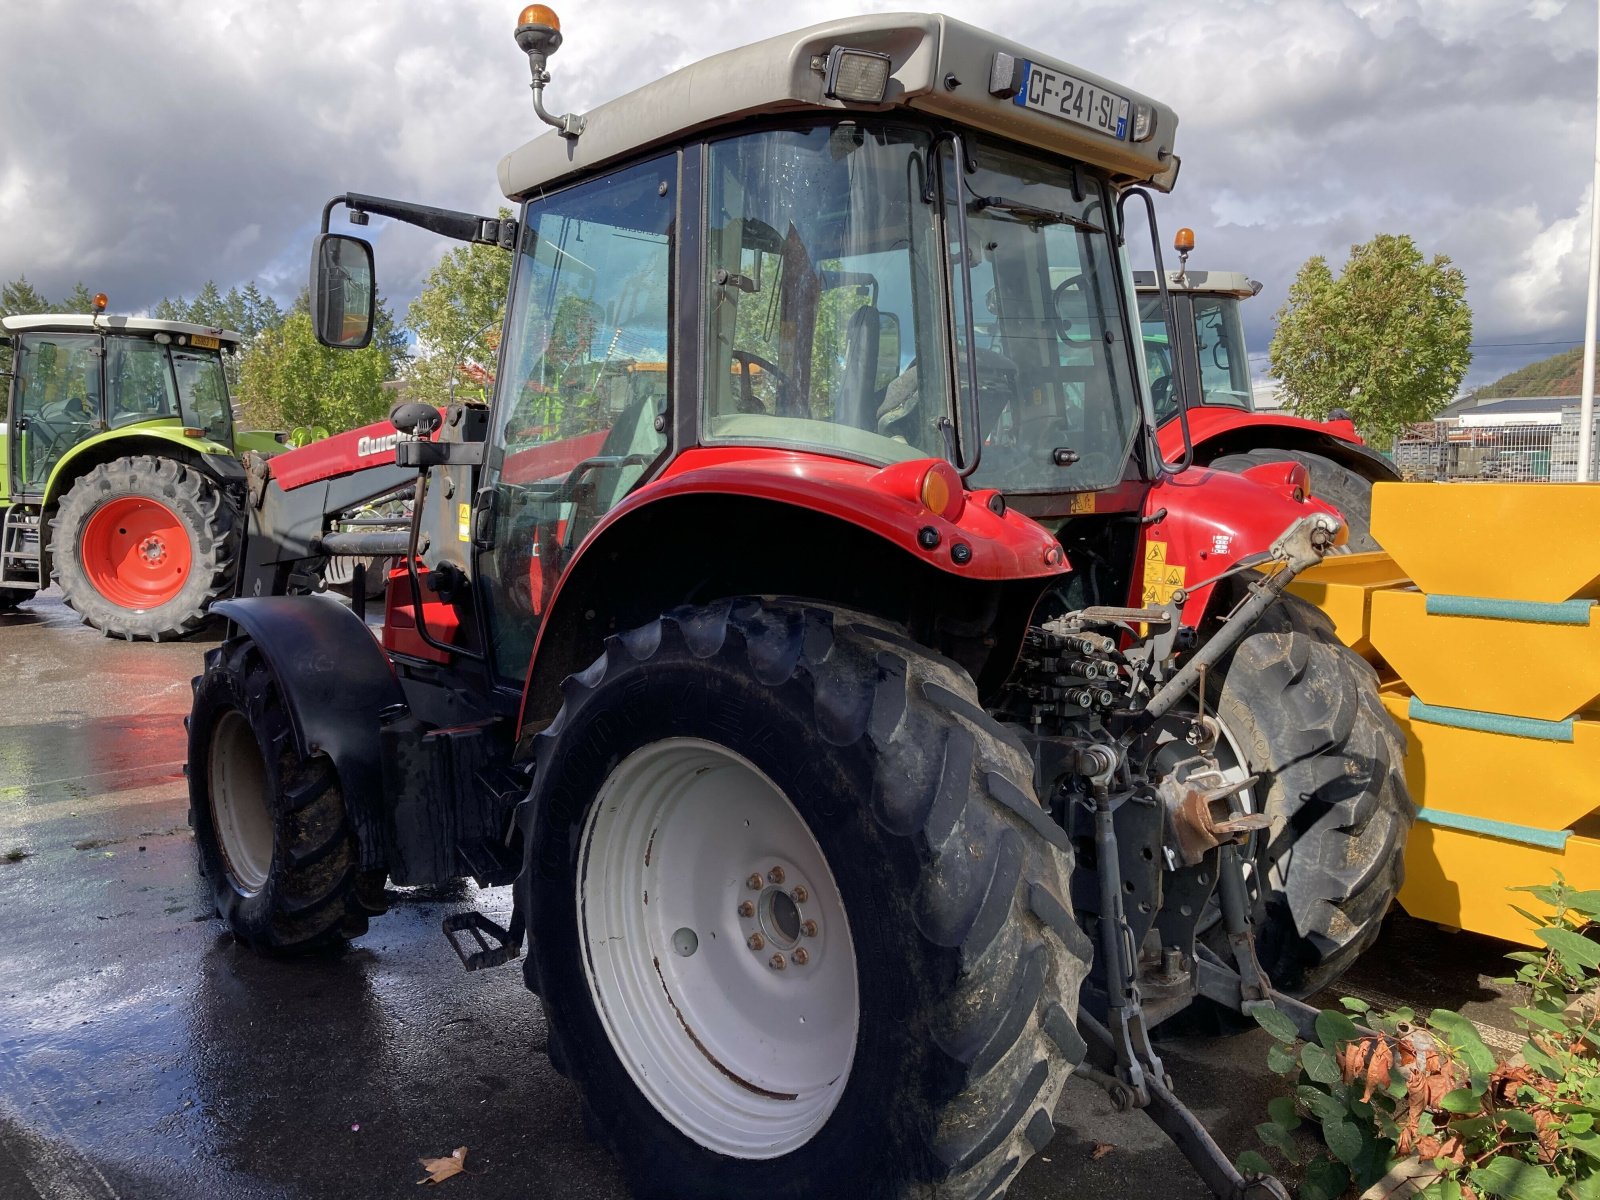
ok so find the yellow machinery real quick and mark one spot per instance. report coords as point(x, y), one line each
point(1482, 618)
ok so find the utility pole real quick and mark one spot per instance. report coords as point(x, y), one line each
point(1586, 407)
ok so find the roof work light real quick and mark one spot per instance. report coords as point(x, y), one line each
point(859, 75)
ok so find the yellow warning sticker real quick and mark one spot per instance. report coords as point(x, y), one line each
point(1082, 502)
point(1155, 552)
point(464, 522)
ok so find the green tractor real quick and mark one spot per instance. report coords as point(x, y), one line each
point(120, 477)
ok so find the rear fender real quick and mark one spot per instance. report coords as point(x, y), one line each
point(162, 441)
point(1208, 521)
point(822, 529)
point(1216, 431)
point(336, 684)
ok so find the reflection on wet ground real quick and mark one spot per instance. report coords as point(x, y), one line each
point(144, 1054)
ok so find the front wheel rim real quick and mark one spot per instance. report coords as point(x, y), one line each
point(716, 948)
point(240, 814)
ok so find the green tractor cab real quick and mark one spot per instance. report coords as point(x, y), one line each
point(119, 469)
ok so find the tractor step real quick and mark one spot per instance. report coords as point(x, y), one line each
point(497, 945)
point(19, 547)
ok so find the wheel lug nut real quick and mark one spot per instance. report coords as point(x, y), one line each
point(800, 895)
point(747, 909)
point(809, 928)
point(756, 941)
point(753, 883)
point(801, 956)
point(775, 875)
point(778, 962)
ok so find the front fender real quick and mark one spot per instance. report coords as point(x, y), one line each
point(336, 683)
point(1202, 522)
point(160, 440)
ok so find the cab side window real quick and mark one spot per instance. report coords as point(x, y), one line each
point(585, 387)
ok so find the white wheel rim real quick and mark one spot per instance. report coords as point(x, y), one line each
point(680, 951)
point(239, 810)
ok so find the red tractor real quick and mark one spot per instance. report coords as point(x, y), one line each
point(872, 724)
point(1205, 404)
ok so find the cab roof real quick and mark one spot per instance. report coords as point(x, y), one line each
point(113, 324)
point(938, 66)
point(1222, 283)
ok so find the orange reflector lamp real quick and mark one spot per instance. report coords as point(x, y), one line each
point(538, 14)
point(194, 433)
point(941, 491)
point(1183, 241)
point(100, 302)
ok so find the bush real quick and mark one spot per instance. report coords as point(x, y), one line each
point(1426, 1110)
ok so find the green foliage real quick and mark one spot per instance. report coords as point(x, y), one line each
point(457, 318)
point(1559, 375)
point(286, 379)
point(1428, 1111)
point(1387, 340)
point(248, 312)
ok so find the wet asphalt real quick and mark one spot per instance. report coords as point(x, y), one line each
point(145, 1054)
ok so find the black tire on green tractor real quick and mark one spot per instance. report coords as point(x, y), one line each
point(141, 546)
point(274, 838)
point(1334, 482)
point(798, 922)
point(1303, 710)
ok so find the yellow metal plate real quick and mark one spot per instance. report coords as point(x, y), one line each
point(1460, 879)
point(1517, 668)
point(1527, 781)
point(1507, 541)
point(204, 341)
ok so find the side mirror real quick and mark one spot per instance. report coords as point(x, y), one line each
point(342, 291)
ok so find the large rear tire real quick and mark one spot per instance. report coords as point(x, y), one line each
point(141, 546)
point(730, 771)
point(1304, 710)
point(274, 838)
point(1341, 487)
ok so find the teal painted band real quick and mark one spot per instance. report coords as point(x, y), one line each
point(1550, 839)
point(1485, 722)
point(1568, 612)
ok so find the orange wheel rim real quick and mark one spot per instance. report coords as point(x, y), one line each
point(136, 552)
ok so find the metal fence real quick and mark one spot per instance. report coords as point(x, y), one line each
point(1448, 450)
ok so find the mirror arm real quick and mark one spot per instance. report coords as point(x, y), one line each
point(461, 226)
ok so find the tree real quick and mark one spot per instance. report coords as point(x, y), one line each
point(1387, 340)
point(18, 297)
point(81, 300)
point(457, 316)
point(287, 379)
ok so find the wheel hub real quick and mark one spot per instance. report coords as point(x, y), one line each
point(136, 552)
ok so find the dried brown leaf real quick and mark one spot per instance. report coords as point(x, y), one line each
point(1101, 1149)
point(440, 1169)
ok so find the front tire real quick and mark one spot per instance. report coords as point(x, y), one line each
point(274, 838)
point(697, 770)
point(141, 546)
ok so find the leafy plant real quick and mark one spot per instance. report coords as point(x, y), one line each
point(1408, 1108)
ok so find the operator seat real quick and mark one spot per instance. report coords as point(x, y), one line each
point(855, 405)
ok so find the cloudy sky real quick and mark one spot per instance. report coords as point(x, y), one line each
point(150, 145)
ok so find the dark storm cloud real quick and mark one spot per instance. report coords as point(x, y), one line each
point(152, 145)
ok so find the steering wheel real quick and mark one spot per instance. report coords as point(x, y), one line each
point(749, 402)
point(1070, 297)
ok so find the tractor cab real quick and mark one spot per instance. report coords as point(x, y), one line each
point(80, 378)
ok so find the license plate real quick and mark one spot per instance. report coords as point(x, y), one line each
point(204, 341)
point(1071, 99)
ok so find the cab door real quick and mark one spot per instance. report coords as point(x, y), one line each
point(56, 403)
